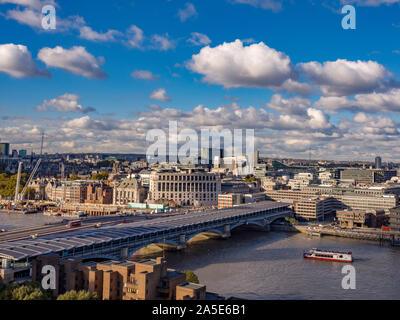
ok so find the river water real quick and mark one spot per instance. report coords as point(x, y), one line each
point(269, 265)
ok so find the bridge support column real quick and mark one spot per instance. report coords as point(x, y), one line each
point(182, 242)
point(227, 231)
point(267, 227)
point(124, 254)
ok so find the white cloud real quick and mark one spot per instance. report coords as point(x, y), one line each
point(75, 60)
point(234, 65)
point(144, 74)
point(135, 37)
point(199, 39)
point(160, 95)
point(370, 3)
point(16, 60)
point(64, 103)
point(264, 4)
point(188, 12)
point(89, 34)
point(162, 43)
point(371, 102)
point(343, 77)
point(295, 105)
point(36, 4)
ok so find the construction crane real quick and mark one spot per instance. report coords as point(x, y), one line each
point(20, 196)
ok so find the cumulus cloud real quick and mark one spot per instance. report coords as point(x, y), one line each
point(64, 103)
point(234, 65)
point(160, 95)
point(343, 77)
point(135, 37)
point(162, 43)
point(294, 105)
point(89, 34)
point(16, 60)
point(370, 102)
point(75, 60)
point(199, 39)
point(187, 12)
point(36, 4)
point(144, 74)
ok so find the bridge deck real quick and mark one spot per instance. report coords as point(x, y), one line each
point(27, 249)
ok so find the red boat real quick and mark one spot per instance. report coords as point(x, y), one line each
point(329, 255)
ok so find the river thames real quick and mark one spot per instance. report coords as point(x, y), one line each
point(269, 265)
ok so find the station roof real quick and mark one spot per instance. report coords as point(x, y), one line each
point(25, 249)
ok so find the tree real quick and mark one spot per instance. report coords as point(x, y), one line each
point(8, 183)
point(80, 295)
point(29, 290)
point(191, 277)
point(250, 179)
point(73, 177)
point(100, 176)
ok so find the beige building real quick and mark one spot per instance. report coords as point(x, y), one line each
point(191, 187)
point(316, 208)
point(149, 279)
point(130, 190)
point(359, 218)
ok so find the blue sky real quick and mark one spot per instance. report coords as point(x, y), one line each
point(100, 104)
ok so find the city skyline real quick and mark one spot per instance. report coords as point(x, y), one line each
point(108, 74)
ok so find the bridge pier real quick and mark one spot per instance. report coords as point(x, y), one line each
point(182, 242)
point(227, 232)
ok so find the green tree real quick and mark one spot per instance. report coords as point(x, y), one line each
point(100, 176)
point(8, 183)
point(73, 177)
point(191, 276)
point(28, 290)
point(250, 179)
point(78, 295)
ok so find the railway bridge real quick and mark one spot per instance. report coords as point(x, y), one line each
point(123, 240)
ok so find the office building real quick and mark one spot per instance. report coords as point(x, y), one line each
point(378, 163)
point(367, 176)
point(316, 209)
point(4, 149)
point(189, 187)
point(361, 218)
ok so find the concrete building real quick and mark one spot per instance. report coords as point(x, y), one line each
point(367, 176)
point(301, 180)
point(191, 187)
point(316, 209)
point(355, 202)
point(130, 190)
point(361, 219)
